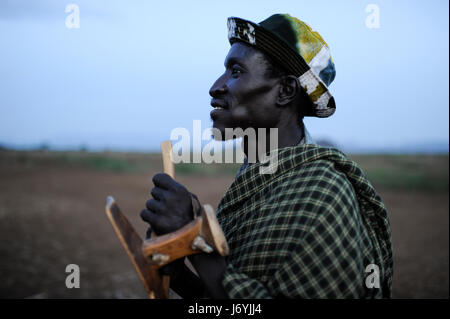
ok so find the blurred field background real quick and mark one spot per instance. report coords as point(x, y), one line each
point(52, 215)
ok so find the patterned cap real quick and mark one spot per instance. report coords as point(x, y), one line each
point(296, 47)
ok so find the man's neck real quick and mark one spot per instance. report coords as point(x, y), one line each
point(286, 134)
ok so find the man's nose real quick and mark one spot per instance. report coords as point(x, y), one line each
point(218, 88)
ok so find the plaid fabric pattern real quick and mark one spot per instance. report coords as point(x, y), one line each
point(307, 231)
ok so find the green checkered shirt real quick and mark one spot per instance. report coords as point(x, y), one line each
point(307, 231)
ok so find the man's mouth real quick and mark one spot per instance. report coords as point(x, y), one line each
point(219, 105)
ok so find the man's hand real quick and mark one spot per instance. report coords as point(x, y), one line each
point(169, 210)
point(171, 205)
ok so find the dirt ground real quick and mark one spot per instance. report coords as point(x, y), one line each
point(51, 217)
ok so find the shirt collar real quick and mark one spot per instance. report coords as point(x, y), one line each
point(307, 139)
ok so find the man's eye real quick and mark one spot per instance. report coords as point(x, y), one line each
point(235, 71)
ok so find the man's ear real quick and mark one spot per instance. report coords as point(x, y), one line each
point(289, 89)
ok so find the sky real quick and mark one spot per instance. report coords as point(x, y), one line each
point(135, 70)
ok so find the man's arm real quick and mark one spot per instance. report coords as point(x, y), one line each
point(183, 281)
point(210, 268)
point(169, 210)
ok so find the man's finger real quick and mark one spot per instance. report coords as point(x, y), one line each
point(158, 193)
point(154, 206)
point(149, 216)
point(164, 181)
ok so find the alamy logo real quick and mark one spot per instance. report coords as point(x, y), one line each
point(373, 279)
point(73, 19)
point(73, 279)
point(373, 19)
point(262, 145)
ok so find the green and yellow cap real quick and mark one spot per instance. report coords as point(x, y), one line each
point(297, 48)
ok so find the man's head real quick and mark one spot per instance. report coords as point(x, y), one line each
point(254, 91)
point(276, 70)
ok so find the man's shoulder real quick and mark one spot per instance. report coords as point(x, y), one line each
point(321, 172)
point(316, 185)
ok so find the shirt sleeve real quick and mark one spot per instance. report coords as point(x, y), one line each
point(240, 286)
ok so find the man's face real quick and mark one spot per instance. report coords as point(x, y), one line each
point(244, 96)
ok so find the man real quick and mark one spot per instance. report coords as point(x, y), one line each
point(314, 228)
